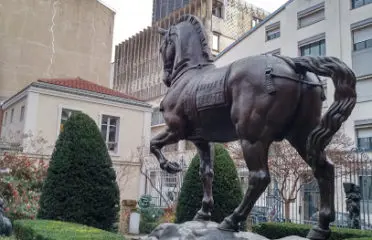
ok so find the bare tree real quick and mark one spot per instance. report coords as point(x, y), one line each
point(291, 172)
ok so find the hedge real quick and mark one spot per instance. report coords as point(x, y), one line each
point(81, 185)
point(280, 230)
point(57, 230)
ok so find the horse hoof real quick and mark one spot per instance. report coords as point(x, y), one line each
point(228, 225)
point(202, 216)
point(317, 233)
point(171, 167)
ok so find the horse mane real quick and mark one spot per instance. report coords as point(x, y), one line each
point(199, 28)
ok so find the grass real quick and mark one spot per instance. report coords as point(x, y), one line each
point(57, 230)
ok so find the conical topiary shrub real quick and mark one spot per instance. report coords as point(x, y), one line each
point(227, 191)
point(81, 185)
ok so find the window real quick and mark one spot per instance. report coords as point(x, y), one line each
point(362, 38)
point(255, 21)
point(273, 31)
point(65, 114)
point(169, 180)
point(364, 138)
point(217, 9)
point(5, 118)
point(311, 15)
point(359, 3)
point(313, 49)
point(365, 183)
point(11, 115)
point(216, 42)
point(109, 131)
point(22, 115)
point(157, 117)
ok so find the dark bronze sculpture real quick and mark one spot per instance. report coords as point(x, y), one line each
point(353, 197)
point(256, 100)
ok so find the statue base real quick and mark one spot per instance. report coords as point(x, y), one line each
point(198, 230)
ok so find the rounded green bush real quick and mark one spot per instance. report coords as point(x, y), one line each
point(227, 191)
point(81, 184)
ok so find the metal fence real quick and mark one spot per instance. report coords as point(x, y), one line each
point(270, 207)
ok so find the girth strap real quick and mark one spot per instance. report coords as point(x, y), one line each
point(269, 83)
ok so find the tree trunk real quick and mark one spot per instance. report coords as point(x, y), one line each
point(287, 204)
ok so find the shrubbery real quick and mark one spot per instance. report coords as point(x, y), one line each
point(280, 230)
point(21, 188)
point(227, 191)
point(81, 184)
point(56, 230)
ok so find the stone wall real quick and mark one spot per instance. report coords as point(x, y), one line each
point(54, 39)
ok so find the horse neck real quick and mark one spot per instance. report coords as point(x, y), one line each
point(188, 57)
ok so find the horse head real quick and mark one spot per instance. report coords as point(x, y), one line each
point(183, 45)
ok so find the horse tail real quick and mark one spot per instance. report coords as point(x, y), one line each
point(345, 95)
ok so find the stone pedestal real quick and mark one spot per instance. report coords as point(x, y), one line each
point(201, 231)
point(127, 206)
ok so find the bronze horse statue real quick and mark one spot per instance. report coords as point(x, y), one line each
point(256, 100)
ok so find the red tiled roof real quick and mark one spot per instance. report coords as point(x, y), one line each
point(79, 83)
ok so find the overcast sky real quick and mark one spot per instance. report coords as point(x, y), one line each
point(133, 16)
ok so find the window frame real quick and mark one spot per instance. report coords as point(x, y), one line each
point(59, 118)
point(5, 120)
point(22, 113)
point(308, 12)
point(361, 127)
point(117, 131)
point(11, 115)
point(272, 30)
point(221, 7)
point(312, 40)
point(357, 26)
point(214, 34)
point(361, 187)
point(352, 4)
point(158, 123)
point(255, 21)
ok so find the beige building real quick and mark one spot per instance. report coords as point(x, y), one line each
point(41, 108)
point(336, 28)
point(54, 39)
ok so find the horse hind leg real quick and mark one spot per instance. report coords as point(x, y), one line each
point(206, 153)
point(324, 173)
point(255, 156)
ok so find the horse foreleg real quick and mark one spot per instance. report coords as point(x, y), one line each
point(255, 156)
point(206, 153)
point(157, 143)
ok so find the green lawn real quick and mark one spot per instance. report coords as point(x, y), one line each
point(7, 238)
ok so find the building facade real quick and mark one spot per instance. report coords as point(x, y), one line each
point(34, 117)
point(163, 8)
point(137, 64)
point(338, 28)
point(47, 39)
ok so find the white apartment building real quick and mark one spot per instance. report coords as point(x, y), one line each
point(339, 28)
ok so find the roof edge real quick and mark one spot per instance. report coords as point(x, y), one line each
point(88, 93)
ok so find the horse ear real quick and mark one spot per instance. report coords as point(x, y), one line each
point(162, 31)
